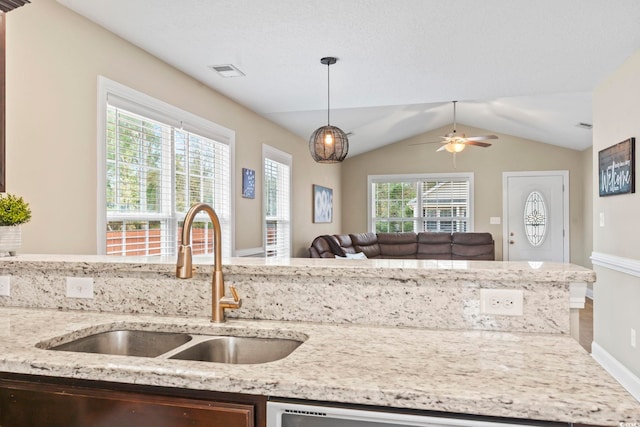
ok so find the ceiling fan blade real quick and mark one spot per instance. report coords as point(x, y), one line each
point(441, 148)
point(478, 143)
point(481, 138)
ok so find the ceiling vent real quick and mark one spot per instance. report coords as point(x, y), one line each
point(586, 126)
point(227, 70)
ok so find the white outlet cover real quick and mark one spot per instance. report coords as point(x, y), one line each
point(79, 287)
point(504, 302)
point(5, 286)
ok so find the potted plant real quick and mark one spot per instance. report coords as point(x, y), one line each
point(14, 211)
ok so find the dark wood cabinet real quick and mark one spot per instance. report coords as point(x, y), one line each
point(40, 401)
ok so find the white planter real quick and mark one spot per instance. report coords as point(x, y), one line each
point(10, 239)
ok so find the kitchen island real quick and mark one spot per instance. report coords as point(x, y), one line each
point(500, 374)
point(403, 334)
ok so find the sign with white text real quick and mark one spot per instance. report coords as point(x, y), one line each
point(616, 168)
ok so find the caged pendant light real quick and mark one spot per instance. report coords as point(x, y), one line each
point(328, 144)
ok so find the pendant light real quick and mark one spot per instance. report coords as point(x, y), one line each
point(328, 144)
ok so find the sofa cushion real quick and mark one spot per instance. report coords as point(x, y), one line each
point(434, 245)
point(345, 243)
point(320, 248)
point(398, 245)
point(472, 246)
point(366, 243)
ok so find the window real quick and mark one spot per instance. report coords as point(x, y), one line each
point(157, 162)
point(277, 203)
point(401, 203)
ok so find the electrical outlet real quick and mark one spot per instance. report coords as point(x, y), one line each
point(506, 302)
point(79, 287)
point(5, 286)
point(633, 338)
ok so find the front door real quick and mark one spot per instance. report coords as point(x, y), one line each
point(536, 213)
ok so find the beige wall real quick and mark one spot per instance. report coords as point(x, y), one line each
point(508, 153)
point(587, 207)
point(616, 113)
point(54, 58)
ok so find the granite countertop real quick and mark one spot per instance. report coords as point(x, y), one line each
point(533, 376)
point(310, 267)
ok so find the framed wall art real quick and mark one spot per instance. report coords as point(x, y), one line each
point(322, 204)
point(616, 169)
point(248, 183)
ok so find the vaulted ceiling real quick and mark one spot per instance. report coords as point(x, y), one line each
point(519, 67)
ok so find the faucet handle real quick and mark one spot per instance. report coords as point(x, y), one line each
point(234, 292)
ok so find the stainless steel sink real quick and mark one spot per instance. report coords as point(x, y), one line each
point(239, 350)
point(127, 343)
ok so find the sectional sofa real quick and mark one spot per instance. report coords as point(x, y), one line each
point(422, 245)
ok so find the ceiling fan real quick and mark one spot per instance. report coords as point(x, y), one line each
point(455, 143)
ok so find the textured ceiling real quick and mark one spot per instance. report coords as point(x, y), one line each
point(519, 67)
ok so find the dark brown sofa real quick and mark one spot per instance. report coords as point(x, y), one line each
point(423, 245)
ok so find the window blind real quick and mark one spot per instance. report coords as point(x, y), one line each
point(277, 209)
point(421, 203)
point(154, 173)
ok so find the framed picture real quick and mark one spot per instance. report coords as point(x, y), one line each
point(248, 183)
point(322, 204)
point(616, 168)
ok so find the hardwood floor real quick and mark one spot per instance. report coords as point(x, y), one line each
point(586, 325)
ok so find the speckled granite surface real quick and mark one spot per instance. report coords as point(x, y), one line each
point(415, 293)
point(534, 376)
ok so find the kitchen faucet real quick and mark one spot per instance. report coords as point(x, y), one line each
point(184, 269)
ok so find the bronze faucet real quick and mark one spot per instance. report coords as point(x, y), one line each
point(184, 269)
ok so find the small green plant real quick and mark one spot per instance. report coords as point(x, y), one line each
point(13, 210)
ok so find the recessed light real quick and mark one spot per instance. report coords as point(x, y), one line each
point(227, 70)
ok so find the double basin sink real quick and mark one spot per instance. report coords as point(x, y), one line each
point(182, 346)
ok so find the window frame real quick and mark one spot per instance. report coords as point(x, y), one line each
point(463, 176)
point(269, 152)
point(161, 111)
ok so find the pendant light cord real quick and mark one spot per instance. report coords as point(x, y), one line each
point(454, 116)
point(328, 95)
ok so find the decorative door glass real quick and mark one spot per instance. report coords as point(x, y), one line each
point(535, 218)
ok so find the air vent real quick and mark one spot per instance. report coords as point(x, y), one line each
point(227, 70)
point(583, 125)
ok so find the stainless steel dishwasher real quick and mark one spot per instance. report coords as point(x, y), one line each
point(285, 414)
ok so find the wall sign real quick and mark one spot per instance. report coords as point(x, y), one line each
point(322, 204)
point(248, 183)
point(616, 169)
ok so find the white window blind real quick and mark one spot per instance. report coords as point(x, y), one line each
point(277, 203)
point(421, 203)
point(155, 169)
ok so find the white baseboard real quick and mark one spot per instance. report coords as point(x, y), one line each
point(617, 370)
point(590, 294)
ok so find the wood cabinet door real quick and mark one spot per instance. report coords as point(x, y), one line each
point(37, 404)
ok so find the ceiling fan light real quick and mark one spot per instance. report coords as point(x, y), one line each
point(454, 147)
point(328, 144)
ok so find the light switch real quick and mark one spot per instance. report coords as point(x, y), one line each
point(601, 219)
point(494, 220)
